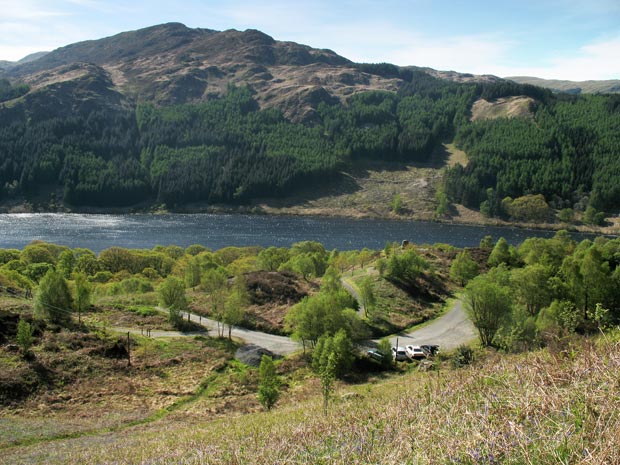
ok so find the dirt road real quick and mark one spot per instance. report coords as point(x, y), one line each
point(281, 345)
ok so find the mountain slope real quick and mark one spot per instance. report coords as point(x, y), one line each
point(172, 115)
point(4, 64)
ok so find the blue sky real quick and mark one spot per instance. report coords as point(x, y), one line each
point(560, 39)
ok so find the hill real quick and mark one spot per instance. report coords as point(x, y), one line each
point(174, 116)
point(4, 64)
point(611, 86)
point(173, 64)
point(125, 381)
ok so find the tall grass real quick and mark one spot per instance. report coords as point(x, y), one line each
point(556, 406)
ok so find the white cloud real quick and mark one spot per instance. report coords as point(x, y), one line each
point(593, 61)
point(386, 43)
point(32, 26)
point(470, 54)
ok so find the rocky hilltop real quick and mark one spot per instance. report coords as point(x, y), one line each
point(172, 64)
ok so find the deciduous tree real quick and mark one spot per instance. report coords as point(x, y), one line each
point(500, 253)
point(488, 305)
point(172, 296)
point(463, 268)
point(215, 283)
point(234, 307)
point(83, 292)
point(367, 295)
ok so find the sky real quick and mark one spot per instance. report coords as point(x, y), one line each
point(552, 39)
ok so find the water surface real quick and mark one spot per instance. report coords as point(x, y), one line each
point(215, 231)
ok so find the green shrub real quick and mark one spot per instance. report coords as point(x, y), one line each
point(150, 273)
point(36, 271)
point(136, 285)
point(463, 356)
point(24, 335)
point(13, 279)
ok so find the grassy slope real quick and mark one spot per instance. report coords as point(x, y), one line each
point(551, 406)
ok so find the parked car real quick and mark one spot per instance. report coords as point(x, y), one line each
point(399, 354)
point(375, 355)
point(430, 349)
point(415, 352)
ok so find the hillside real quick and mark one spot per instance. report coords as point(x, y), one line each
point(513, 107)
point(611, 86)
point(544, 407)
point(168, 116)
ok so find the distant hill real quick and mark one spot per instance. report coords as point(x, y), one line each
point(4, 64)
point(32, 57)
point(611, 86)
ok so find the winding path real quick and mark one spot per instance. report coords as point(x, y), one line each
point(449, 331)
point(356, 295)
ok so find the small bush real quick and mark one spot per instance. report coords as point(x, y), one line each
point(463, 356)
point(24, 335)
point(150, 273)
